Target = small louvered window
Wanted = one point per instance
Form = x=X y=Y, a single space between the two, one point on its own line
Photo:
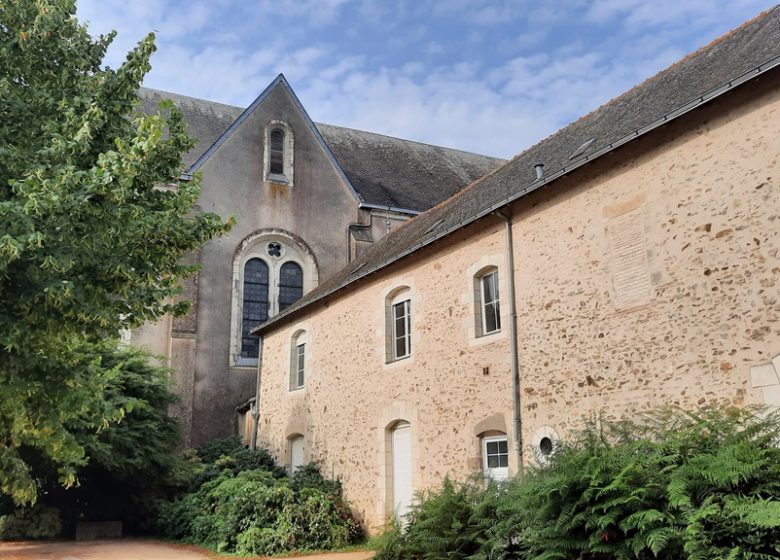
x=277 y=152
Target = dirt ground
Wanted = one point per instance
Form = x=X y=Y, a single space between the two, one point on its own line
x=126 y=549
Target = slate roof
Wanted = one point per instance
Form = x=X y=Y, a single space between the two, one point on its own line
x=726 y=63
x=206 y=120
x=384 y=171
x=389 y=171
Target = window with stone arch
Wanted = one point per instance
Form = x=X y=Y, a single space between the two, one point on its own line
x=271 y=271
x=279 y=153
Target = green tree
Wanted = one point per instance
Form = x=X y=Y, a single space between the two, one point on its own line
x=89 y=242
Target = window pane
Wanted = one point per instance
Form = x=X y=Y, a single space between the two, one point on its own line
x=491 y=319
x=489 y=288
x=492 y=447
x=492 y=461
x=255 y=305
x=503 y=460
x=277 y=152
x=290 y=284
x=502 y=447
x=401 y=336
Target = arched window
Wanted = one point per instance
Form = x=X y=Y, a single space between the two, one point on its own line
x=279 y=153
x=290 y=284
x=271 y=271
x=255 y=310
x=276 y=165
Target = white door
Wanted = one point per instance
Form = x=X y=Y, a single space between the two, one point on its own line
x=296 y=453
x=402 y=470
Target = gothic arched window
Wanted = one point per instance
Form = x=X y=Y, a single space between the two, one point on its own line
x=290 y=284
x=276 y=166
x=255 y=309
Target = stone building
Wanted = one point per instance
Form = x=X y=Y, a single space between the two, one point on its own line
x=628 y=261
x=307 y=199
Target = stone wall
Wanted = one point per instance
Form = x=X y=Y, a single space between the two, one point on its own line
x=647 y=278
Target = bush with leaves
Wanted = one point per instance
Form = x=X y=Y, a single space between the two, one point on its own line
x=675 y=485
x=260 y=510
x=37 y=522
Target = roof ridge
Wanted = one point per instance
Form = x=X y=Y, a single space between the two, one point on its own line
x=163 y=92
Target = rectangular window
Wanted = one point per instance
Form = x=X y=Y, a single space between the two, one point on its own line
x=491 y=312
x=495 y=458
x=300 y=366
x=401 y=332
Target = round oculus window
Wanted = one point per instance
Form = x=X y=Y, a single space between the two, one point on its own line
x=546 y=446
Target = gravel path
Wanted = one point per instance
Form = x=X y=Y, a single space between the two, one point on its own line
x=130 y=550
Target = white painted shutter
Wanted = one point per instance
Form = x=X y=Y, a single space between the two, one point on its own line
x=296 y=453
x=402 y=471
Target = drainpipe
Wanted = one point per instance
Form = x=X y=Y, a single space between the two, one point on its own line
x=256 y=407
x=516 y=420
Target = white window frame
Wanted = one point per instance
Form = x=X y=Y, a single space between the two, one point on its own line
x=406 y=305
x=490 y=275
x=495 y=473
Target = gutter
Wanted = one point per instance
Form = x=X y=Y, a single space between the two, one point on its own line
x=548 y=178
x=395 y=209
x=517 y=432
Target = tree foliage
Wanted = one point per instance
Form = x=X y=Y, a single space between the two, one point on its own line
x=89 y=244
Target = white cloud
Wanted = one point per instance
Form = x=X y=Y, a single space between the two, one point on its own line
x=497 y=94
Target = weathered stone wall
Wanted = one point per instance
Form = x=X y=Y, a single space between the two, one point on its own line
x=648 y=278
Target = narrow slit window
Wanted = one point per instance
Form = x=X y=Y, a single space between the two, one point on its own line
x=300 y=366
x=277 y=152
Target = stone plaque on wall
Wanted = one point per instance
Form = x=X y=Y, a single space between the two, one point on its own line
x=628 y=263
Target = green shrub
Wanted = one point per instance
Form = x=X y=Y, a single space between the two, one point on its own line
x=309 y=476
x=259 y=512
x=442 y=523
x=212 y=451
x=676 y=485
x=37 y=522
x=391 y=545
